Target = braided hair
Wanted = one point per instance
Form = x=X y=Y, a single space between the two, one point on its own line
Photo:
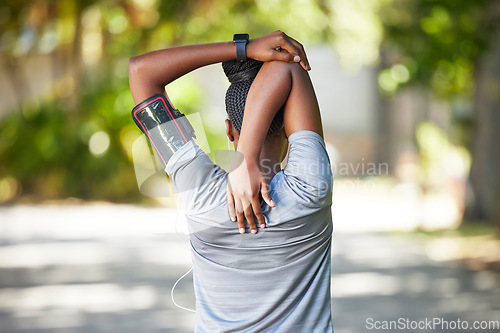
x=241 y=75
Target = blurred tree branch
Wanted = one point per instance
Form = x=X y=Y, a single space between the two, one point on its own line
x=452 y=48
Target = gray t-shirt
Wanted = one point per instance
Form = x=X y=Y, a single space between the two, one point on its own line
x=277 y=280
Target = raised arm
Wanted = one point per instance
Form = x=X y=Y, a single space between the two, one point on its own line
x=149 y=73
x=277 y=84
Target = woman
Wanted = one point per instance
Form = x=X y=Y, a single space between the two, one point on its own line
x=275 y=278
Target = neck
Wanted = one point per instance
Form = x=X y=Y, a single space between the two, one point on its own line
x=271 y=156
x=269 y=166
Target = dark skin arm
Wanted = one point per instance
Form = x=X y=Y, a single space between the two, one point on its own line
x=149 y=73
x=276 y=84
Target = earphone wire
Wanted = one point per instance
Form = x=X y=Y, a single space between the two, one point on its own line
x=229 y=148
x=189 y=271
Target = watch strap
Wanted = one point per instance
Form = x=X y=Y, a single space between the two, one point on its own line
x=241 y=40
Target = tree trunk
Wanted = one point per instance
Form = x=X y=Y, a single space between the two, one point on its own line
x=484 y=175
x=75 y=61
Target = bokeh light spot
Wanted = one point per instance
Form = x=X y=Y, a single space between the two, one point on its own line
x=9 y=187
x=400 y=73
x=48 y=42
x=118 y=24
x=386 y=81
x=99 y=143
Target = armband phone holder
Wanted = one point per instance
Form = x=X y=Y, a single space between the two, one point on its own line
x=166 y=128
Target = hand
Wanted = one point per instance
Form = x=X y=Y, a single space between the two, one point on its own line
x=243 y=188
x=277 y=46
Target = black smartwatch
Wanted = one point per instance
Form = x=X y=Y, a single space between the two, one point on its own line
x=241 y=40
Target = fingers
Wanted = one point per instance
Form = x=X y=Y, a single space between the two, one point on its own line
x=230 y=206
x=250 y=218
x=280 y=55
x=304 y=62
x=244 y=186
x=240 y=217
x=277 y=46
x=295 y=49
x=246 y=210
x=257 y=210
x=266 y=194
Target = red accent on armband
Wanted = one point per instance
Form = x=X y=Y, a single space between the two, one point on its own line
x=162 y=98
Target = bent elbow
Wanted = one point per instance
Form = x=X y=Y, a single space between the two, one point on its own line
x=133 y=66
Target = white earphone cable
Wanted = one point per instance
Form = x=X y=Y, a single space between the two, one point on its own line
x=229 y=148
x=189 y=271
x=173 y=288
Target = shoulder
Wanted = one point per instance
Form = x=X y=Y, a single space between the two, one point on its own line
x=308 y=173
x=200 y=183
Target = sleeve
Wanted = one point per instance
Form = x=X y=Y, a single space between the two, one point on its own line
x=200 y=183
x=308 y=170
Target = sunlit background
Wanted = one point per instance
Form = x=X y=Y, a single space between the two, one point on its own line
x=409 y=92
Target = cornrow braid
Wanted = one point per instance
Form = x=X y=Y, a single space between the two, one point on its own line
x=241 y=76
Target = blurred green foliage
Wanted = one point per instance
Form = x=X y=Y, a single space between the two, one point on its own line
x=435 y=44
x=439 y=156
x=46 y=148
x=75 y=138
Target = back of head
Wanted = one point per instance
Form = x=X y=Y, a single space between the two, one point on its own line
x=241 y=74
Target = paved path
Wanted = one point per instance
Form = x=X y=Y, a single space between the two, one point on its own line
x=109 y=268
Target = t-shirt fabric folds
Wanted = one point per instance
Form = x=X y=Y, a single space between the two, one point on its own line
x=277 y=280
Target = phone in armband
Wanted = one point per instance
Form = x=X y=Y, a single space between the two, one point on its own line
x=166 y=128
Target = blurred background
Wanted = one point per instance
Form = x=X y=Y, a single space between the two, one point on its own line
x=409 y=92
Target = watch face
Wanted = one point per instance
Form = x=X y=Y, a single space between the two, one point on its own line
x=240 y=37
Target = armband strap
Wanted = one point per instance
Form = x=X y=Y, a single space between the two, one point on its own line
x=166 y=128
